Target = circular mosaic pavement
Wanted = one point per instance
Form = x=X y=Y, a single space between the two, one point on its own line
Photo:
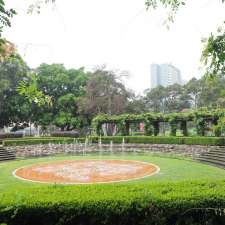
x=86 y=171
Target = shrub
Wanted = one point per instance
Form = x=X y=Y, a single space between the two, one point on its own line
x=162 y=140
x=73 y=134
x=119 y=139
x=36 y=141
x=183 y=203
x=10 y=135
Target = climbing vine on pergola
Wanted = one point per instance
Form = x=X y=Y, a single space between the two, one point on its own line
x=152 y=121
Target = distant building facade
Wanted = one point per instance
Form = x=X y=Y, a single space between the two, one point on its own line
x=164 y=75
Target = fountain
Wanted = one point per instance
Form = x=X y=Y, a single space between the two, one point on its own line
x=50 y=148
x=75 y=144
x=83 y=150
x=100 y=145
x=71 y=148
x=123 y=145
x=85 y=145
x=111 y=147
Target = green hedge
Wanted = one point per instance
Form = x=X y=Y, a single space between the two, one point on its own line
x=118 y=139
x=10 y=135
x=36 y=141
x=163 y=140
x=71 y=134
x=184 y=203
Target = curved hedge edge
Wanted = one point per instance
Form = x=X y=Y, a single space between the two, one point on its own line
x=172 y=203
x=217 y=141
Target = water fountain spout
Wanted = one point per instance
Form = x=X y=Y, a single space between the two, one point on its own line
x=111 y=147
x=123 y=145
x=100 y=145
x=85 y=145
x=100 y=141
x=50 y=147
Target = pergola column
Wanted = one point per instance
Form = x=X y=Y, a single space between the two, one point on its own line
x=183 y=127
x=156 y=128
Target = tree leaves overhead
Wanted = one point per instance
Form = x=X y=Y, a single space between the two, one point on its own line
x=213 y=55
x=6 y=48
x=12 y=105
x=174 y=5
x=29 y=89
x=37 y=5
x=5 y=15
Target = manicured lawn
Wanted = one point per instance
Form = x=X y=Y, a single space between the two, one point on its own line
x=171 y=169
x=164 y=198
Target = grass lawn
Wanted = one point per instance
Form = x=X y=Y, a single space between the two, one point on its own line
x=180 y=185
x=171 y=169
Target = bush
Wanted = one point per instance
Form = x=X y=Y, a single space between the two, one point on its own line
x=72 y=134
x=10 y=135
x=220 y=141
x=36 y=141
x=183 y=203
x=162 y=140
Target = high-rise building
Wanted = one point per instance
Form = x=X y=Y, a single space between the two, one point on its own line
x=164 y=75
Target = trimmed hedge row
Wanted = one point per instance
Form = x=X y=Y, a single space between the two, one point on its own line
x=72 y=134
x=220 y=141
x=163 y=140
x=183 y=203
x=36 y=141
x=10 y=135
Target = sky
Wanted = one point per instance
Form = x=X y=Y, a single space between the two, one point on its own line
x=120 y=34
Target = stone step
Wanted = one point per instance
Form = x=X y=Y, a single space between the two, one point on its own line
x=7 y=159
x=6 y=151
x=217 y=158
x=213 y=162
x=213 y=154
x=6 y=155
x=217 y=152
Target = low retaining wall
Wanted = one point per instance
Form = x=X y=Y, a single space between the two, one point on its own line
x=52 y=149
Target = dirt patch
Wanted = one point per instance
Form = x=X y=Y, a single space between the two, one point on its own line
x=86 y=171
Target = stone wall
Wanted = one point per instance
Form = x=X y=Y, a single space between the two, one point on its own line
x=52 y=149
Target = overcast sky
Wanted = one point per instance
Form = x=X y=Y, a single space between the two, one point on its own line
x=119 y=33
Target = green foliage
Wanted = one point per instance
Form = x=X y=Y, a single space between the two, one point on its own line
x=184 y=193
x=219 y=128
x=220 y=141
x=37 y=5
x=152 y=120
x=65 y=88
x=13 y=107
x=104 y=93
x=183 y=127
x=10 y=135
x=174 y=4
x=7 y=49
x=213 y=55
x=30 y=91
x=72 y=134
x=178 y=98
x=67 y=121
x=5 y=16
x=36 y=141
x=174 y=203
